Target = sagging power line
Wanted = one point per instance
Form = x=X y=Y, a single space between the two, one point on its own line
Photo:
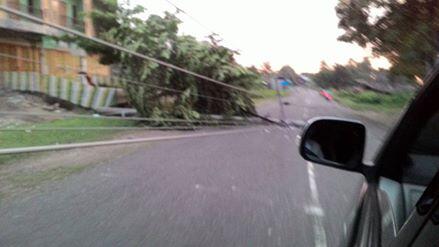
x=121 y=142
x=180 y=10
x=121 y=79
x=29 y=60
x=120 y=48
x=86 y=128
x=143 y=84
x=19 y=58
x=171 y=120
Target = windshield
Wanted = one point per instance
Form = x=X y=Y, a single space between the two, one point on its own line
x=177 y=123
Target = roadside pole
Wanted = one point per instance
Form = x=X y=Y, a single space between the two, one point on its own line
x=281 y=105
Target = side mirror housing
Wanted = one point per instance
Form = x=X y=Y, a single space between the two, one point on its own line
x=334 y=142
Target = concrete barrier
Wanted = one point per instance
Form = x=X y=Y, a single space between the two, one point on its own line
x=72 y=90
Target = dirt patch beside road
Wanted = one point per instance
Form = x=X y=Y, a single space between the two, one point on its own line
x=12 y=101
x=31 y=172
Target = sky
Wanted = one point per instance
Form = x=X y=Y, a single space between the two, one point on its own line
x=299 y=33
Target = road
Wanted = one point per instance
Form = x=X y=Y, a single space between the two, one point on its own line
x=305 y=103
x=243 y=189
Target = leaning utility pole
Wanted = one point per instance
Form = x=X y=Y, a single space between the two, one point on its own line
x=281 y=105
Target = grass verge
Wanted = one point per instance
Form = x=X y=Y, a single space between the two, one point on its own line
x=36 y=138
x=10 y=139
x=372 y=101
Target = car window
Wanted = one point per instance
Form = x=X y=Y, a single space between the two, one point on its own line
x=419 y=166
x=422 y=163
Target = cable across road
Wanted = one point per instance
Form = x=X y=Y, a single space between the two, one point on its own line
x=57 y=147
x=191 y=17
x=19 y=58
x=120 y=48
x=70 y=115
x=134 y=82
x=141 y=84
x=86 y=128
x=29 y=60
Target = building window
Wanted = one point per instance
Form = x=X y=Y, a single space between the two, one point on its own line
x=30 y=6
x=74 y=14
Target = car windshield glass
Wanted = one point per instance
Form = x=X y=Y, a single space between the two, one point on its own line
x=178 y=123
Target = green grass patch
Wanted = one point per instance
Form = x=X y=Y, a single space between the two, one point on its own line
x=266 y=93
x=35 y=138
x=12 y=139
x=29 y=180
x=368 y=100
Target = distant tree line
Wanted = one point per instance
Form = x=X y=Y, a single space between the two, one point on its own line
x=340 y=76
x=405 y=32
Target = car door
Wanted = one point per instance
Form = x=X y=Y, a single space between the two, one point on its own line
x=408 y=174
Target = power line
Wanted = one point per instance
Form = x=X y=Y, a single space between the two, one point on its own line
x=138 y=83
x=111 y=128
x=120 y=48
x=29 y=60
x=119 y=142
x=172 y=120
x=19 y=58
x=85 y=128
x=141 y=84
x=192 y=17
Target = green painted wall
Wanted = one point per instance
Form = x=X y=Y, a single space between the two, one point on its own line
x=69 y=7
x=49 y=43
x=25 y=3
x=37 y=4
x=70 y=3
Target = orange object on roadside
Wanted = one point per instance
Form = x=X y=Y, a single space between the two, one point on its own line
x=326 y=95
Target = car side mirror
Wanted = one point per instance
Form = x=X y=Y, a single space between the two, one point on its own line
x=334 y=142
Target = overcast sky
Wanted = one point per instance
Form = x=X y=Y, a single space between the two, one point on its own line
x=299 y=33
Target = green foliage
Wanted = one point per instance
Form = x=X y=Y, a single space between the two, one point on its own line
x=157 y=37
x=406 y=32
x=368 y=100
x=341 y=76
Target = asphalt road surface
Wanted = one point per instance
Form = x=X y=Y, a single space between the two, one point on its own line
x=305 y=103
x=242 y=189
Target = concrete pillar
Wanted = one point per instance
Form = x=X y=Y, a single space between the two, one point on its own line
x=83 y=63
x=83 y=68
x=44 y=70
x=88 y=23
x=47 y=10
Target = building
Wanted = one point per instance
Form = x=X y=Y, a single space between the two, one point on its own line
x=31 y=57
x=28 y=46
